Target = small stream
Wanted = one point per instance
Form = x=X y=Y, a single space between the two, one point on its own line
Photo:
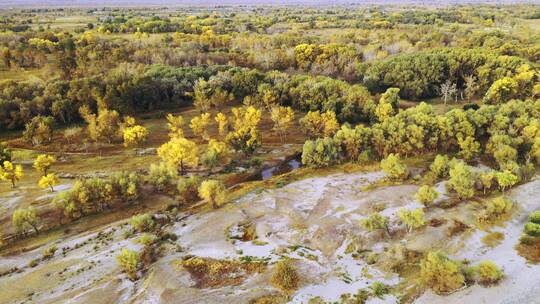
x=284 y=167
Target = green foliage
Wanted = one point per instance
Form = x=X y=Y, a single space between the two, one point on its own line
x=321 y=152
x=285 y=276
x=379 y=289
x=39 y=130
x=461 y=180
x=86 y=196
x=188 y=189
x=534 y=217
x=532 y=229
x=25 y=219
x=426 y=195
x=129 y=260
x=506 y=179
x=126 y=186
x=142 y=222
x=489 y=273
x=440 y=273
x=414 y=219
x=374 y=222
x=440 y=165
x=394 y=168
x=213 y=191
x=162 y=175
x=5 y=152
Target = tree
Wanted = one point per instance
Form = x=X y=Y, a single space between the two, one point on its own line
x=285 y=276
x=506 y=179
x=179 y=152
x=412 y=218
x=103 y=126
x=134 y=135
x=25 y=219
x=246 y=139
x=70 y=134
x=321 y=152
x=43 y=163
x=199 y=125
x=213 y=191
x=469 y=147
x=39 y=130
x=486 y=179
x=426 y=195
x=316 y=124
x=129 y=260
x=471 y=86
x=216 y=152
x=440 y=273
x=447 y=90
x=223 y=123
x=188 y=189
x=283 y=118
x=11 y=173
x=376 y=221
x=175 y=125
x=394 y=168
x=48 y=181
x=461 y=180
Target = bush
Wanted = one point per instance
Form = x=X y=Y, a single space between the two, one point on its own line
x=534 y=217
x=379 y=289
x=142 y=222
x=285 y=276
x=162 y=176
x=532 y=229
x=126 y=186
x=375 y=222
x=426 y=195
x=213 y=191
x=394 y=168
x=321 y=152
x=489 y=273
x=440 y=273
x=49 y=252
x=496 y=208
x=188 y=189
x=129 y=261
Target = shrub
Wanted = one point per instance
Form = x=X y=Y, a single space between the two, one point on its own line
x=532 y=229
x=379 y=289
x=489 y=273
x=534 y=217
x=213 y=191
x=126 y=185
x=412 y=218
x=142 y=222
x=440 y=166
x=25 y=219
x=321 y=152
x=440 y=273
x=162 y=175
x=375 y=222
x=49 y=252
x=188 y=189
x=394 y=168
x=285 y=276
x=129 y=261
x=426 y=195
x=496 y=208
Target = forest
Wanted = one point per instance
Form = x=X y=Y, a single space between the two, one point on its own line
x=270 y=154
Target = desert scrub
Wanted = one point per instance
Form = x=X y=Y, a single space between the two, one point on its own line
x=188 y=189
x=496 y=209
x=208 y=272
x=394 y=168
x=426 y=195
x=413 y=219
x=142 y=222
x=49 y=252
x=162 y=176
x=375 y=222
x=285 y=276
x=379 y=289
x=440 y=273
x=214 y=192
x=129 y=261
x=488 y=273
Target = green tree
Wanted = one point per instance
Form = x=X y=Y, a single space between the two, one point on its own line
x=321 y=152
x=25 y=219
x=376 y=221
x=414 y=219
x=506 y=179
x=461 y=180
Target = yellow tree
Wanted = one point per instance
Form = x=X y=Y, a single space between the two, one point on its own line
x=223 y=123
x=10 y=172
x=213 y=191
x=48 y=181
x=179 y=152
x=175 y=125
x=199 y=125
x=316 y=124
x=216 y=152
x=134 y=135
x=283 y=118
x=43 y=163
